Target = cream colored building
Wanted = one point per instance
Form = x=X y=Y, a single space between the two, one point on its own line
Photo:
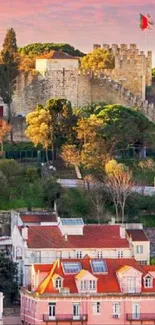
x=56 y=61
x=140 y=245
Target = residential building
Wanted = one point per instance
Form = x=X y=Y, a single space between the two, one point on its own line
x=89 y=291
x=71 y=238
x=6 y=245
x=1 y=308
x=140 y=245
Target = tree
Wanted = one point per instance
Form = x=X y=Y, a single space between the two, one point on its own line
x=97 y=197
x=98 y=60
x=8 y=69
x=38 y=126
x=41 y=48
x=119 y=184
x=51 y=191
x=70 y=155
x=124 y=127
x=5 y=128
x=51 y=125
x=8 y=278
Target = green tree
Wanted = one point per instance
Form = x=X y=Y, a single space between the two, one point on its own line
x=98 y=60
x=41 y=48
x=124 y=127
x=13 y=174
x=51 y=125
x=8 y=278
x=51 y=191
x=8 y=69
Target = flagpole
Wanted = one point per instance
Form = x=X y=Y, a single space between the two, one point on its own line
x=146 y=40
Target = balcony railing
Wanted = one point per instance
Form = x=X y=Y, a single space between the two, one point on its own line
x=65 y=318
x=145 y=317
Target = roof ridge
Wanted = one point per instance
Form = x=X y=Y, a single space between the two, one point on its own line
x=48 y=277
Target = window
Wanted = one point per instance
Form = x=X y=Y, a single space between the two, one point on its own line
x=131 y=285
x=72 y=267
x=52 y=308
x=1 y=111
x=148 y=282
x=120 y=254
x=96 y=308
x=99 y=254
x=116 y=310
x=136 y=310
x=58 y=283
x=88 y=285
x=143 y=262
x=76 y=310
x=139 y=249
x=99 y=266
x=79 y=254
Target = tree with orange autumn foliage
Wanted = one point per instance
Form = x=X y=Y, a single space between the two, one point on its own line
x=5 y=128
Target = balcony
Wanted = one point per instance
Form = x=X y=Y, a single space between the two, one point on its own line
x=140 y=317
x=65 y=318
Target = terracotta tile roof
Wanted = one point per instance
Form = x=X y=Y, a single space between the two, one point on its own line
x=106 y=283
x=137 y=234
x=58 y=55
x=94 y=236
x=30 y=218
x=124 y=269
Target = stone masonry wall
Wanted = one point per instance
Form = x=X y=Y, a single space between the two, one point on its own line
x=33 y=89
x=132 y=67
x=123 y=85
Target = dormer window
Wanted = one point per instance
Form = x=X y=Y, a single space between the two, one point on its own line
x=58 y=283
x=148 y=282
x=87 y=285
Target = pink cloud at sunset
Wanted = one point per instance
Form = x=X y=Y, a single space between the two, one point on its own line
x=78 y=22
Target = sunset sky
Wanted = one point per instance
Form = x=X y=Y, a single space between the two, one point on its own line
x=78 y=22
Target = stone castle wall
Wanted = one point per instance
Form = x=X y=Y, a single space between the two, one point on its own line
x=132 y=67
x=123 y=85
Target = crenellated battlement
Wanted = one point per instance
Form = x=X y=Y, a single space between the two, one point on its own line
x=132 y=67
x=113 y=92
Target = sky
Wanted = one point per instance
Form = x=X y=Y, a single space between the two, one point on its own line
x=80 y=23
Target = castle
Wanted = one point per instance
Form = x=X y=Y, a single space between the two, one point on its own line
x=59 y=76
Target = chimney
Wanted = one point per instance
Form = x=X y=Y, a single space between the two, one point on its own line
x=122 y=231
x=66 y=237
x=25 y=232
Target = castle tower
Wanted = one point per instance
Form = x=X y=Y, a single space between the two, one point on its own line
x=132 y=68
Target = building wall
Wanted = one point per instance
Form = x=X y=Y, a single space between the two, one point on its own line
x=48 y=256
x=44 y=65
x=145 y=256
x=1 y=308
x=33 y=313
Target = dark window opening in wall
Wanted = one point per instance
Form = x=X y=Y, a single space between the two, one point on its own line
x=1 y=111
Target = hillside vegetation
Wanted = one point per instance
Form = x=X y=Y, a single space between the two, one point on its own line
x=40 y=48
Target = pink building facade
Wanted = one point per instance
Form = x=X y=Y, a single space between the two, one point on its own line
x=90 y=292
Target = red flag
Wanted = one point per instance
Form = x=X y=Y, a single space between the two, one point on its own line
x=143 y=22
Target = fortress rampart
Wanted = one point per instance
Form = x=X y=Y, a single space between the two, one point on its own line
x=125 y=85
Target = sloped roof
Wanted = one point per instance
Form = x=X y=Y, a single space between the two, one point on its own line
x=94 y=236
x=137 y=234
x=58 y=55
x=106 y=282
x=33 y=218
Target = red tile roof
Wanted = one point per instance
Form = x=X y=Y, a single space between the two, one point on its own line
x=137 y=234
x=106 y=282
x=94 y=236
x=33 y=218
x=58 y=55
